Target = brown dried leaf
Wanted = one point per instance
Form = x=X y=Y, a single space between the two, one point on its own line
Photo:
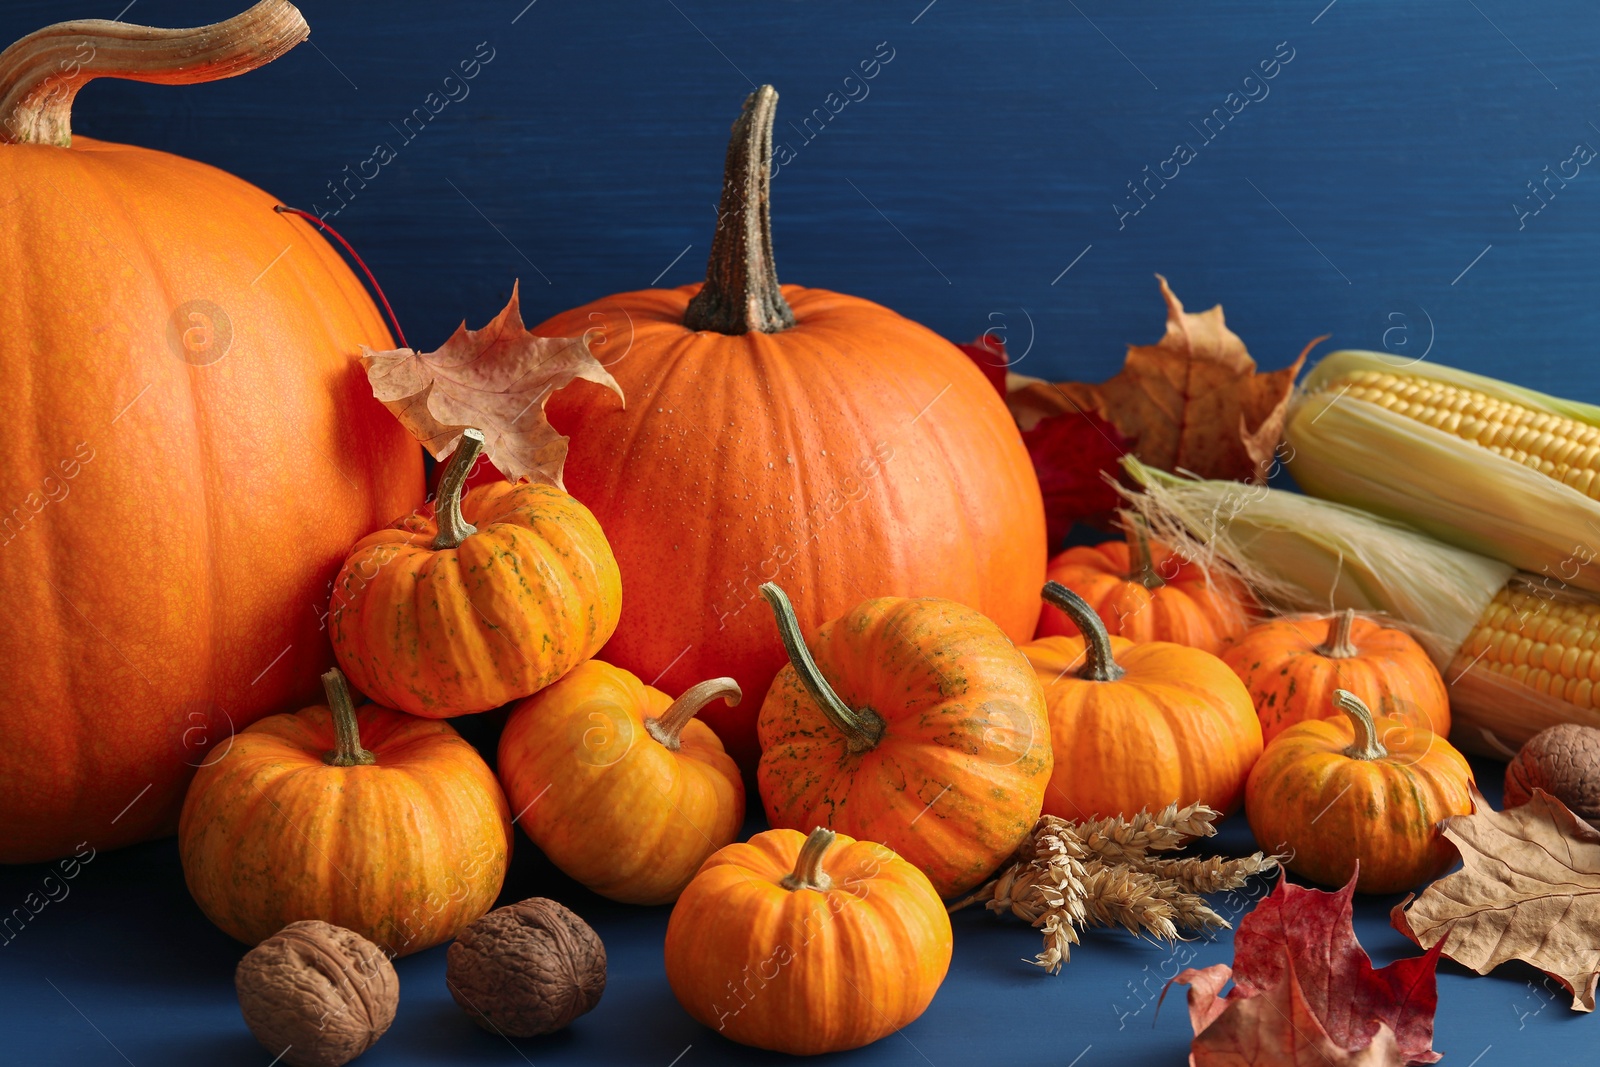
x=1529 y=889
x=1193 y=401
x=497 y=380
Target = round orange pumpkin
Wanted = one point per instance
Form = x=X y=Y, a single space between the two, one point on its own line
x=619 y=784
x=1145 y=594
x=807 y=944
x=1292 y=667
x=474 y=600
x=180 y=367
x=912 y=722
x=1138 y=726
x=385 y=824
x=1335 y=792
x=793 y=435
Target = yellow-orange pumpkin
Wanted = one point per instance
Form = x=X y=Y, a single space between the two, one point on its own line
x=1332 y=792
x=1292 y=667
x=793 y=435
x=912 y=722
x=1148 y=594
x=491 y=597
x=195 y=446
x=385 y=824
x=1139 y=726
x=807 y=944
x=619 y=784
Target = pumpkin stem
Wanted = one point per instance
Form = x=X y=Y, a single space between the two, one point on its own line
x=1366 y=745
x=671 y=722
x=42 y=73
x=347 y=751
x=861 y=728
x=453 y=528
x=808 y=872
x=1337 y=645
x=1099 y=666
x=1141 y=568
x=741 y=293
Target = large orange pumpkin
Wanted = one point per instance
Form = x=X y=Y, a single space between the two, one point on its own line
x=370 y=819
x=793 y=435
x=1139 y=726
x=196 y=444
x=807 y=943
x=1145 y=594
x=1293 y=666
x=911 y=722
x=474 y=601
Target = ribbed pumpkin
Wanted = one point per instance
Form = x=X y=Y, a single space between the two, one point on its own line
x=1292 y=667
x=912 y=722
x=385 y=824
x=793 y=435
x=1148 y=594
x=807 y=944
x=194 y=443
x=477 y=599
x=1139 y=726
x=1336 y=791
x=619 y=784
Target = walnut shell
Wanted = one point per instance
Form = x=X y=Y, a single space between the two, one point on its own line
x=323 y=992
x=1564 y=761
x=527 y=969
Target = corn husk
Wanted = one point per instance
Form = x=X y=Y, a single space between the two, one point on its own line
x=1357 y=452
x=1301 y=554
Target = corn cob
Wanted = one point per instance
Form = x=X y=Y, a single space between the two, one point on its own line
x=1504 y=471
x=1519 y=652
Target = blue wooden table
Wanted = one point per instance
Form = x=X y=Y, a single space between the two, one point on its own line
x=1383 y=173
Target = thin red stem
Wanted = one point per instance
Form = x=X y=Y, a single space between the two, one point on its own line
x=399 y=334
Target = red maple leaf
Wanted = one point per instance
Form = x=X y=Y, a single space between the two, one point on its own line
x=1298 y=950
x=989 y=353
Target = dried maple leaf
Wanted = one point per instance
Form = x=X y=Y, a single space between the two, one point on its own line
x=1296 y=953
x=989 y=353
x=1193 y=401
x=1279 y=1027
x=497 y=380
x=1528 y=889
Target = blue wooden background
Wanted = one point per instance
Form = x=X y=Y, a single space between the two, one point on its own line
x=1410 y=178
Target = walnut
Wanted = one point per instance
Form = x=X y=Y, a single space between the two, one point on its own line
x=317 y=994
x=1564 y=761
x=527 y=969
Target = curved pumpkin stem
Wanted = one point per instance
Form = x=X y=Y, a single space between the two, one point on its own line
x=41 y=74
x=741 y=293
x=808 y=872
x=666 y=727
x=347 y=750
x=861 y=728
x=1366 y=745
x=1141 y=567
x=453 y=528
x=1099 y=666
x=1337 y=645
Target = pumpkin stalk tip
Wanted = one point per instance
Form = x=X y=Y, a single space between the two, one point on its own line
x=347 y=750
x=1366 y=746
x=40 y=75
x=1141 y=564
x=453 y=527
x=667 y=727
x=862 y=728
x=1337 y=645
x=741 y=293
x=808 y=872
x=1099 y=665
